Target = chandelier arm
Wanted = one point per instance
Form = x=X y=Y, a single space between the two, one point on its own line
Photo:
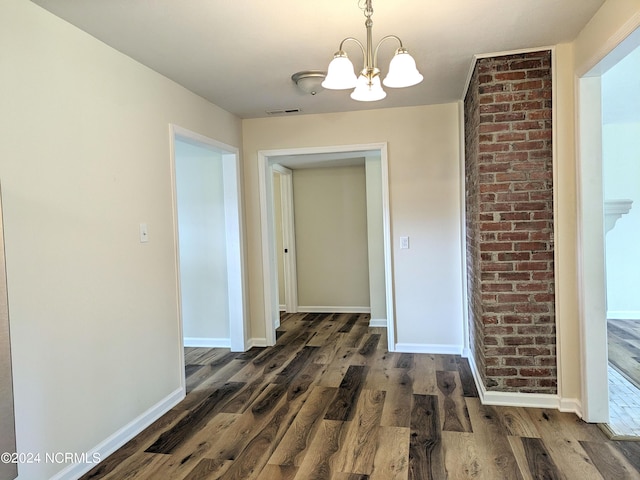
x=375 y=55
x=353 y=40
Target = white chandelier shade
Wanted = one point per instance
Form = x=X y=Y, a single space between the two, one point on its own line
x=402 y=71
x=340 y=75
x=368 y=91
x=402 y=68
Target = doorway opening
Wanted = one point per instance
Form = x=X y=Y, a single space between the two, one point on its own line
x=375 y=160
x=207 y=228
x=609 y=201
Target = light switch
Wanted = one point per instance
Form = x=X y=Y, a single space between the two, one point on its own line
x=404 y=242
x=144 y=233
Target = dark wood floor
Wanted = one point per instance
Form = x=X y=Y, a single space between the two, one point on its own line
x=329 y=402
x=624 y=348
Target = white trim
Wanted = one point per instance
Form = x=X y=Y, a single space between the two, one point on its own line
x=623 y=315
x=174 y=204
x=122 y=436
x=325 y=309
x=590 y=222
x=234 y=241
x=558 y=310
x=463 y=230
x=430 y=349
x=266 y=159
x=597 y=64
x=207 y=342
x=478 y=56
x=388 y=263
x=236 y=278
x=378 y=323
x=256 y=342
x=288 y=239
x=591 y=252
x=269 y=262
x=570 y=405
x=518 y=399
x=282 y=307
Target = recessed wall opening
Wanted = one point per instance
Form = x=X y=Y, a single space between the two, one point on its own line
x=369 y=164
x=209 y=238
x=609 y=195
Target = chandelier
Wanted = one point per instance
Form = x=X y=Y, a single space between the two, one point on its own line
x=402 y=68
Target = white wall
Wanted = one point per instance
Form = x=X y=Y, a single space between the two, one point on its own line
x=621 y=175
x=84 y=159
x=330 y=212
x=424 y=176
x=203 y=249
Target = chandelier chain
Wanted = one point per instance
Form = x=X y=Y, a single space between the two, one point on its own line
x=366 y=7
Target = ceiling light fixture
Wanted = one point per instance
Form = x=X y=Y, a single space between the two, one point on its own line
x=309 y=81
x=367 y=88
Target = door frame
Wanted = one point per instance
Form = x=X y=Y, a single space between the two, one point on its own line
x=592 y=309
x=236 y=276
x=289 y=239
x=266 y=161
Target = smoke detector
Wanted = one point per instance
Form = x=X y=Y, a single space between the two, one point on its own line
x=309 y=81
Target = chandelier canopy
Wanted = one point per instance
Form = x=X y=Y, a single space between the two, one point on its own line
x=367 y=87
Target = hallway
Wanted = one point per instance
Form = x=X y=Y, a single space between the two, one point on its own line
x=328 y=401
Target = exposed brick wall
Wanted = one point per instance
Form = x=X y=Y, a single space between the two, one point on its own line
x=509 y=211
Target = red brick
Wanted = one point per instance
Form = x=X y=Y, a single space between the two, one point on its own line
x=518 y=382
x=536 y=372
x=528 y=85
x=494 y=147
x=516 y=319
x=498 y=287
x=534 y=145
x=502 y=372
x=530 y=246
x=526 y=65
x=513 y=298
x=493 y=127
x=509 y=117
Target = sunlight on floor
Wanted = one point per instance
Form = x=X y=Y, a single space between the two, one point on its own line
x=624 y=406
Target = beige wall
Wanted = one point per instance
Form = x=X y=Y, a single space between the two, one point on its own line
x=330 y=212
x=424 y=177
x=572 y=61
x=84 y=158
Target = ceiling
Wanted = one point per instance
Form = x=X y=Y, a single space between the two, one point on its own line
x=240 y=54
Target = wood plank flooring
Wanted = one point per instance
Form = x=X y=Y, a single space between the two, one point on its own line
x=328 y=401
x=624 y=348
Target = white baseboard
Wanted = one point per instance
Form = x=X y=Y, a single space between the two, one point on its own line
x=378 y=322
x=572 y=405
x=256 y=342
x=207 y=342
x=282 y=308
x=307 y=309
x=623 y=315
x=426 y=348
x=517 y=399
x=122 y=436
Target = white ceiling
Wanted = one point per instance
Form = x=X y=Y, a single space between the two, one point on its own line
x=240 y=54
